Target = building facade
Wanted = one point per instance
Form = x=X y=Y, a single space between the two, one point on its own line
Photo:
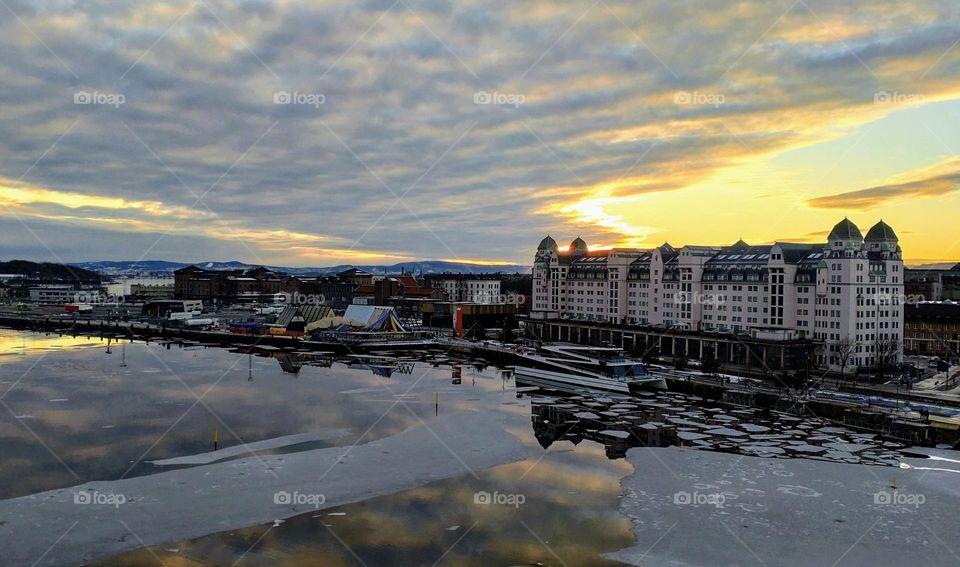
x=62 y=294
x=192 y=282
x=468 y=288
x=933 y=284
x=151 y=291
x=933 y=329
x=846 y=294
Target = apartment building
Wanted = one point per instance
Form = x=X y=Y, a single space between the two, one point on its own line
x=847 y=293
x=470 y=288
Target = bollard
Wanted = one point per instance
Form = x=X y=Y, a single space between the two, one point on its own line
x=216 y=439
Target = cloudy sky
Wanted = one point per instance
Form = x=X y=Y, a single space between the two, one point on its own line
x=374 y=131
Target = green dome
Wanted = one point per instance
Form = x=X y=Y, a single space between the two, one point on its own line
x=845 y=230
x=548 y=244
x=881 y=232
x=579 y=247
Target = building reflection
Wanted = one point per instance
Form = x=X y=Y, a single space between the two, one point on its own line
x=616 y=423
x=292 y=362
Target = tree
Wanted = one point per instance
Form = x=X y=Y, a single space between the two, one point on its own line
x=507 y=333
x=886 y=351
x=844 y=349
x=710 y=365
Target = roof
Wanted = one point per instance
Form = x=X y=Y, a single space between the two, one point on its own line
x=596 y=255
x=463 y=277
x=881 y=232
x=353 y=272
x=588 y=263
x=845 y=230
x=407 y=280
x=739 y=244
x=310 y=313
x=667 y=251
x=741 y=254
x=548 y=244
x=797 y=253
x=579 y=246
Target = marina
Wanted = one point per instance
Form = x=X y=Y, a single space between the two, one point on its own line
x=905 y=416
x=266 y=407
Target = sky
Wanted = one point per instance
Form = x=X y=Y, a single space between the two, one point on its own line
x=377 y=131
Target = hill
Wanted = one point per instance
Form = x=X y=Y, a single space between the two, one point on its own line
x=165 y=268
x=49 y=272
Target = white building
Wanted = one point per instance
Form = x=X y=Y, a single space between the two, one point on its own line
x=469 y=288
x=846 y=294
x=59 y=295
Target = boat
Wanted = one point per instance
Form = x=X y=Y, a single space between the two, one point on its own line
x=584 y=367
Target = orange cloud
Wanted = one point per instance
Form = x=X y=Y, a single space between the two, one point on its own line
x=938 y=180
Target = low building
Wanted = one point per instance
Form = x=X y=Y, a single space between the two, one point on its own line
x=442 y=314
x=146 y=292
x=192 y=282
x=394 y=290
x=933 y=329
x=327 y=290
x=933 y=284
x=758 y=352
x=63 y=294
x=357 y=276
x=166 y=308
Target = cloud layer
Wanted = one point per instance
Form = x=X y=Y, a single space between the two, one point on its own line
x=318 y=132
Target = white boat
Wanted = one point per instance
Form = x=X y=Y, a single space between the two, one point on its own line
x=584 y=367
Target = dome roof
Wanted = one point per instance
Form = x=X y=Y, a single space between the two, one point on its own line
x=579 y=246
x=845 y=230
x=881 y=232
x=547 y=244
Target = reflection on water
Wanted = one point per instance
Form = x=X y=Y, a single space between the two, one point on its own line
x=29 y=344
x=291 y=363
x=80 y=415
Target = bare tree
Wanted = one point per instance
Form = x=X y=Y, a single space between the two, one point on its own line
x=844 y=349
x=886 y=351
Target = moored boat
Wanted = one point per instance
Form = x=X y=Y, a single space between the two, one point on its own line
x=579 y=367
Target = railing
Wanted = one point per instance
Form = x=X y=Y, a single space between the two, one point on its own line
x=375 y=337
x=948 y=384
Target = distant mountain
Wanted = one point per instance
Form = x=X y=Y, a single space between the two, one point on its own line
x=47 y=272
x=164 y=268
x=936 y=266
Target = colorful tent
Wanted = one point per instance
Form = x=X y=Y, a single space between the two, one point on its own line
x=373 y=318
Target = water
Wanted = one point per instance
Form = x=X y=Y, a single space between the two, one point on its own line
x=82 y=409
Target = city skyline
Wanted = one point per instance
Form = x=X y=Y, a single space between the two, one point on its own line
x=425 y=130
